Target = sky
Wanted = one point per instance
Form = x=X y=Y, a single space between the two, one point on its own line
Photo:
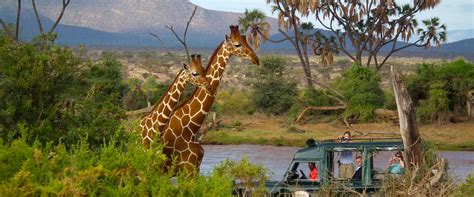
x=456 y=14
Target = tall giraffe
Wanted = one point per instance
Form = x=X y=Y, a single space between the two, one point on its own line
x=156 y=119
x=179 y=134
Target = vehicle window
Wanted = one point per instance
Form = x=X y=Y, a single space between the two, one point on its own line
x=344 y=164
x=381 y=162
x=305 y=171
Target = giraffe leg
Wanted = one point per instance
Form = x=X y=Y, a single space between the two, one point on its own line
x=198 y=151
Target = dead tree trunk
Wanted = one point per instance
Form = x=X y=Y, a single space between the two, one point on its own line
x=408 y=127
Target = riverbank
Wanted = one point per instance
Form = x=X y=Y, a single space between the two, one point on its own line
x=266 y=130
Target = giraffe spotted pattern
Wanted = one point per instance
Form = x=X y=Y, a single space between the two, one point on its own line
x=179 y=134
x=154 y=122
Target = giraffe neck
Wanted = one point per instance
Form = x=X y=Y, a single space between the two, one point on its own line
x=188 y=118
x=216 y=67
x=155 y=121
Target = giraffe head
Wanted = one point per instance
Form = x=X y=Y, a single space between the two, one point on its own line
x=195 y=73
x=237 y=45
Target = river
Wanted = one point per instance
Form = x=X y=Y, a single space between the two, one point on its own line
x=277 y=158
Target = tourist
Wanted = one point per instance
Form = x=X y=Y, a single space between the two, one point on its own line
x=346 y=168
x=396 y=165
x=313 y=171
x=358 y=170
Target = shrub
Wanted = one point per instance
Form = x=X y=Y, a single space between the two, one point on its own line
x=466 y=188
x=117 y=169
x=273 y=93
x=36 y=82
x=46 y=89
x=246 y=174
x=98 y=113
x=233 y=102
x=441 y=89
x=360 y=87
x=140 y=94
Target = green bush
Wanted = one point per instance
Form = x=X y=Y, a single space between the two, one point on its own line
x=98 y=113
x=439 y=90
x=466 y=188
x=246 y=174
x=56 y=96
x=35 y=84
x=233 y=102
x=117 y=169
x=140 y=93
x=360 y=87
x=273 y=92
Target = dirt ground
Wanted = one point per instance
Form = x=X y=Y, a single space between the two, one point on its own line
x=271 y=130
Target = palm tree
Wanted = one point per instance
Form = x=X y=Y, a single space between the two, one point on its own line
x=254 y=22
x=434 y=33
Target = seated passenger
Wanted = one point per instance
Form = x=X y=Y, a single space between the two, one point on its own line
x=396 y=164
x=358 y=171
x=313 y=174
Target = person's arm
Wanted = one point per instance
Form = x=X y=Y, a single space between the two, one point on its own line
x=402 y=164
x=389 y=164
x=316 y=178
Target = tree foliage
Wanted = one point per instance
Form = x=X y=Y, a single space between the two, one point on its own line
x=439 y=90
x=360 y=86
x=371 y=27
x=273 y=92
x=35 y=82
x=117 y=169
x=57 y=96
x=254 y=20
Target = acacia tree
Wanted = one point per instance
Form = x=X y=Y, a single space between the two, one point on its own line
x=303 y=38
x=372 y=27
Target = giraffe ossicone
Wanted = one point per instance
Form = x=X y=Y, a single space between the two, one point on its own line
x=153 y=123
x=179 y=135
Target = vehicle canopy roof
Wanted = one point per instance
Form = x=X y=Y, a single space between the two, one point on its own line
x=316 y=151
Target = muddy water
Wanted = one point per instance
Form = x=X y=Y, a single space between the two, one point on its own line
x=277 y=159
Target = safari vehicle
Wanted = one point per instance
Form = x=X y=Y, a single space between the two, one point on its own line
x=325 y=155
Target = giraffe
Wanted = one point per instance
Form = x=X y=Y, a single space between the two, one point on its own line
x=179 y=134
x=156 y=119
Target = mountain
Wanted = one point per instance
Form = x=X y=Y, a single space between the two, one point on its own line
x=132 y=20
x=457 y=35
x=126 y=23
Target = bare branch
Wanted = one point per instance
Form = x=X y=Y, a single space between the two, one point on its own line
x=6 y=29
x=65 y=4
x=163 y=44
x=319 y=108
x=139 y=111
x=340 y=41
x=187 y=26
x=33 y=2
x=183 y=41
x=17 y=31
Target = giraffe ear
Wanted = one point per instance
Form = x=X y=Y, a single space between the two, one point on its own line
x=185 y=66
x=227 y=38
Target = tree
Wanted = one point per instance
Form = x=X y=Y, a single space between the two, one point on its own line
x=372 y=27
x=408 y=128
x=441 y=91
x=254 y=20
x=360 y=86
x=302 y=36
x=273 y=93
